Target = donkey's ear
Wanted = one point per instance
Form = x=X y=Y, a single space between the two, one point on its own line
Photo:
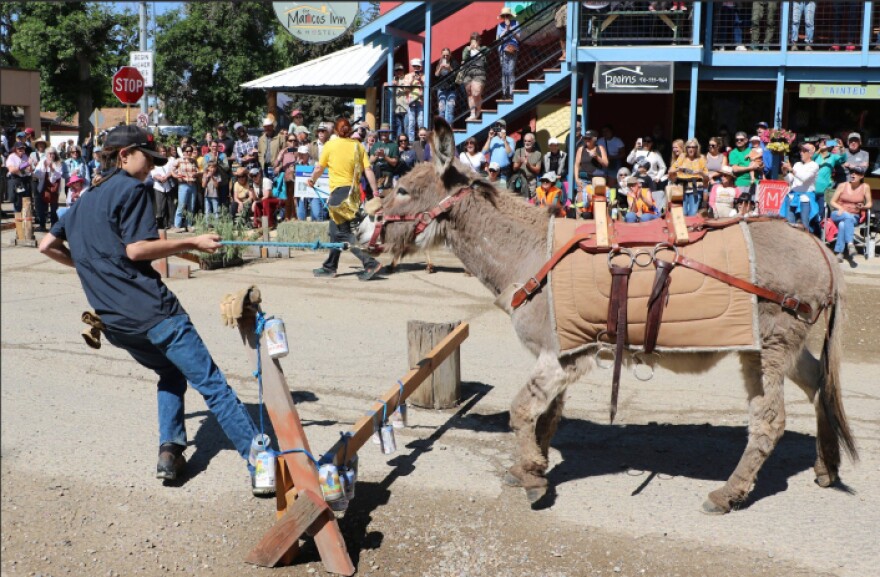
x=442 y=144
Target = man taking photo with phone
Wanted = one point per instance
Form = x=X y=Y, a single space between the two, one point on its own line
x=499 y=148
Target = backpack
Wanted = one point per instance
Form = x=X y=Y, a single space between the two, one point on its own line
x=279 y=188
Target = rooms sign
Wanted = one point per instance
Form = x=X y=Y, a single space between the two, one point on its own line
x=627 y=77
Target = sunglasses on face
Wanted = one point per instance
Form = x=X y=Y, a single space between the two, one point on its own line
x=713 y=145
x=291 y=140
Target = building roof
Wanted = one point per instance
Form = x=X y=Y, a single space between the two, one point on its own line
x=343 y=73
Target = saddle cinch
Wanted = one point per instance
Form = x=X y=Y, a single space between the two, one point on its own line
x=683 y=284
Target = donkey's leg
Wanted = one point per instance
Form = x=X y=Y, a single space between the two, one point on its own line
x=546 y=383
x=764 y=375
x=429 y=265
x=807 y=374
x=547 y=424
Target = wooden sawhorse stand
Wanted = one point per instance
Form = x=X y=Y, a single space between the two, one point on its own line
x=301 y=506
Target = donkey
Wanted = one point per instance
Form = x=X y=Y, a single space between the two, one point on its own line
x=503 y=241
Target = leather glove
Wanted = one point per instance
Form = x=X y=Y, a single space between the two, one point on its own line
x=233 y=305
x=92 y=335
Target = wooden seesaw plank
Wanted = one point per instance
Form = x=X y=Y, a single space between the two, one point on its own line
x=363 y=429
x=280 y=541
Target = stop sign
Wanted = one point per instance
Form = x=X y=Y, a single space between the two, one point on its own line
x=128 y=85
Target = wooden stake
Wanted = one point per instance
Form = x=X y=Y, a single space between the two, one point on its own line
x=442 y=389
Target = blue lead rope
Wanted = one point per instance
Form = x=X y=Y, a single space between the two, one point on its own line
x=312 y=245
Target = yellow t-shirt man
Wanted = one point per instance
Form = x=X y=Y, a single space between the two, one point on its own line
x=339 y=157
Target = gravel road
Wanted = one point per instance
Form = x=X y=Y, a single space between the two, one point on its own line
x=79 y=446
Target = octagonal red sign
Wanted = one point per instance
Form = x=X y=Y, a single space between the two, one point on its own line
x=128 y=85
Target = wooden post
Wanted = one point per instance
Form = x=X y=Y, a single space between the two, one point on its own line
x=442 y=389
x=264 y=251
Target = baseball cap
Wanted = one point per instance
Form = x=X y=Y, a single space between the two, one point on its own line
x=130 y=136
x=762 y=125
x=28 y=130
x=494 y=166
x=321 y=127
x=296 y=113
x=502 y=122
x=19 y=145
x=398 y=66
x=301 y=130
x=632 y=180
x=20 y=134
x=549 y=176
x=415 y=62
x=858 y=169
x=727 y=170
x=237 y=125
x=755 y=138
x=303 y=149
x=552 y=141
x=74 y=179
x=254 y=171
x=854 y=136
x=221 y=126
x=645 y=164
x=591 y=134
x=268 y=122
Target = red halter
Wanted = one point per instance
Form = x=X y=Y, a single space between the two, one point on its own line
x=422 y=219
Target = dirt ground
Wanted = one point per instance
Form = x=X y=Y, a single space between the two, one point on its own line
x=79 y=446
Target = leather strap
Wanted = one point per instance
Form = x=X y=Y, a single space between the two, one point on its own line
x=532 y=285
x=617 y=311
x=786 y=301
x=657 y=302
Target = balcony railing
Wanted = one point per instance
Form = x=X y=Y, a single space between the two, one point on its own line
x=635 y=23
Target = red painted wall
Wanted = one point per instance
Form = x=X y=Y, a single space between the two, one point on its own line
x=453 y=32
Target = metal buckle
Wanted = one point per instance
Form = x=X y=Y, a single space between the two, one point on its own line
x=620 y=250
x=531 y=292
x=603 y=347
x=642 y=253
x=663 y=246
x=794 y=308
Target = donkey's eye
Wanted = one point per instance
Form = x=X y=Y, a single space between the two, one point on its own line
x=401 y=191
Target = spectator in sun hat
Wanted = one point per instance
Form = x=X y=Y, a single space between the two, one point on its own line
x=548 y=195
x=296 y=119
x=495 y=175
x=111 y=238
x=414 y=81
x=384 y=156
x=317 y=146
x=267 y=147
x=556 y=160
x=508 y=49
x=302 y=135
x=855 y=156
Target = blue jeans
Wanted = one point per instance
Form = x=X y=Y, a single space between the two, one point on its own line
x=175 y=351
x=809 y=11
x=399 y=126
x=312 y=206
x=692 y=203
x=212 y=207
x=186 y=202
x=446 y=104
x=792 y=215
x=633 y=217
x=414 y=120
x=733 y=25
x=846 y=229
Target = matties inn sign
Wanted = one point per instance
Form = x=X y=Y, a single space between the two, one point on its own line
x=316 y=22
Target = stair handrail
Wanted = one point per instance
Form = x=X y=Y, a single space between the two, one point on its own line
x=536 y=23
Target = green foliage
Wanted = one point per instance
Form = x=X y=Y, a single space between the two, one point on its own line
x=303 y=231
x=204 y=52
x=227 y=228
x=76 y=46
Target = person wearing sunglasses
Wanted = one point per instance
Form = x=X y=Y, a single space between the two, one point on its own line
x=285 y=162
x=690 y=171
x=800 y=202
x=847 y=204
x=743 y=166
x=715 y=159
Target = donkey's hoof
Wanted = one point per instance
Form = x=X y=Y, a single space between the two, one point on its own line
x=535 y=494
x=511 y=480
x=430 y=269
x=710 y=508
x=825 y=480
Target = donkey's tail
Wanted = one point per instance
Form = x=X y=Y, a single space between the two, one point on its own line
x=829 y=385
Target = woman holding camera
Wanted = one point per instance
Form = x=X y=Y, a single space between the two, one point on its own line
x=590 y=160
x=473 y=75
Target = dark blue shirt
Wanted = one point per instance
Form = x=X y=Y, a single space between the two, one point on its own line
x=128 y=295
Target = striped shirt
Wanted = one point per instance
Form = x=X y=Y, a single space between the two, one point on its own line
x=243 y=148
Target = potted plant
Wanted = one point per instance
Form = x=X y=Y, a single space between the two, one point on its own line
x=780 y=143
x=228 y=229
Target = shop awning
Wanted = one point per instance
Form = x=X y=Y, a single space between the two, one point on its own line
x=343 y=73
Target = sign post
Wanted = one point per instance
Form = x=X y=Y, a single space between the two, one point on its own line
x=128 y=86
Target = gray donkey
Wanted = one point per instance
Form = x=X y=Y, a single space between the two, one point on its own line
x=503 y=241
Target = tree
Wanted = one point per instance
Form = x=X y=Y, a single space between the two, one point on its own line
x=204 y=52
x=76 y=46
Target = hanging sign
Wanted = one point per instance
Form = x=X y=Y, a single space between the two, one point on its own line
x=143 y=61
x=628 y=77
x=316 y=22
x=301 y=188
x=846 y=91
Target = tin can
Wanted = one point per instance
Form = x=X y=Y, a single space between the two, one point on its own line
x=398 y=417
x=264 y=474
x=388 y=443
x=348 y=476
x=328 y=475
x=260 y=444
x=276 y=338
x=339 y=505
